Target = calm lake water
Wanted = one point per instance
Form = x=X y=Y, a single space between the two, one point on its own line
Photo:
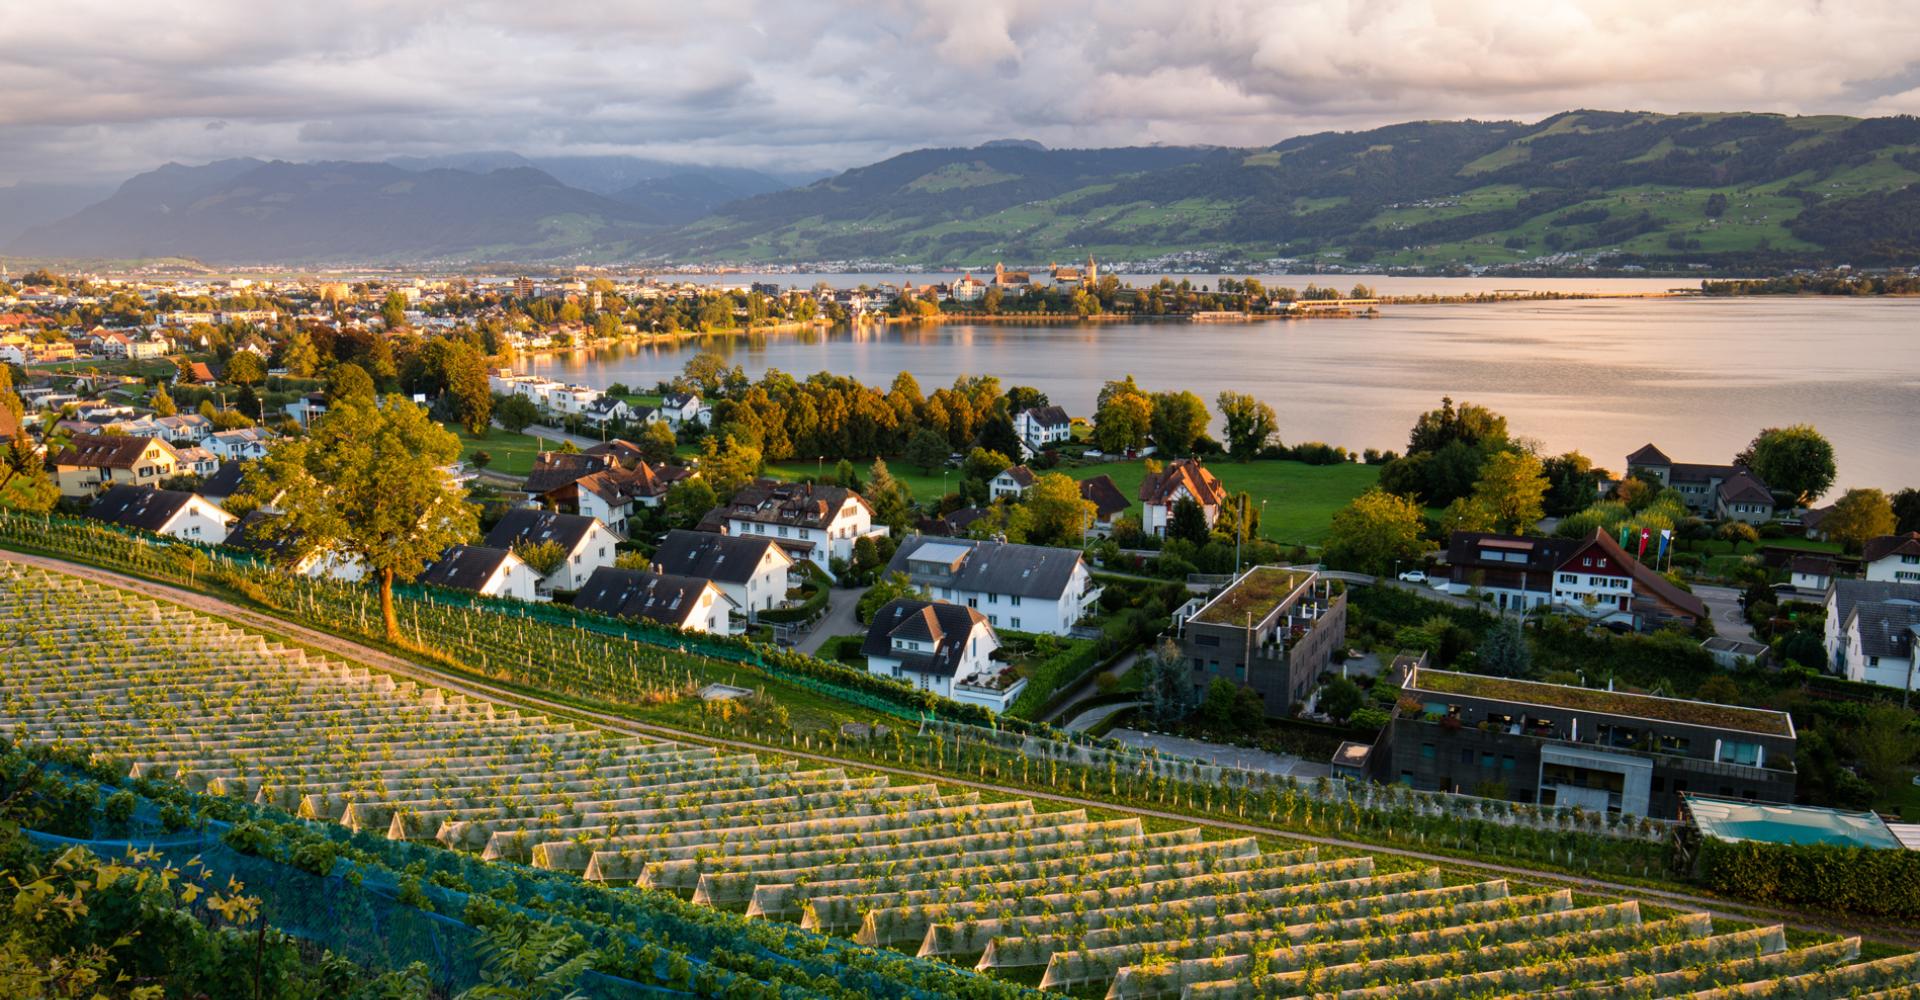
x=1698 y=377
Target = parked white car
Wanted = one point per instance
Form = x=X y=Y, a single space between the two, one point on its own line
x=1414 y=576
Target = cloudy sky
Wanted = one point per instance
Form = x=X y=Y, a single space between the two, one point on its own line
x=99 y=89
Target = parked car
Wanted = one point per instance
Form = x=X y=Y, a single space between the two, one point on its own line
x=1414 y=576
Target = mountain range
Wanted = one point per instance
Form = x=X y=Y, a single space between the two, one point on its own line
x=1694 y=191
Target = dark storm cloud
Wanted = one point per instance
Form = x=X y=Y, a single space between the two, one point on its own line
x=109 y=87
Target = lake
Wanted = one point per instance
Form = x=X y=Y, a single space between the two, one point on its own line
x=1696 y=376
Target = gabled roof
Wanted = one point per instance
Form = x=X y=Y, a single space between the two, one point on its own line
x=466 y=567
x=1744 y=487
x=1645 y=579
x=107 y=451
x=553 y=469
x=942 y=630
x=1105 y=496
x=1648 y=456
x=1695 y=472
x=1048 y=416
x=628 y=593
x=1022 y=476
x=1846 y=593
x=1164 y=487
x=1811 y=565
x=619 y=449
x=1886 y=627
x=710 y=556
x=139 y=506
x=678 y=400
x=1538 y=556
x=225 y=480
x=1877 y=549
x=522 y=526
x=989 y=567
x=805 y=505
x=247 y=536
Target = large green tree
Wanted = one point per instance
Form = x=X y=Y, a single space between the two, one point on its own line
x=1373 y=531
x=1796 y=461
x=1123 y=421
x=1859 y=516
x=1178 y=420
x=1250 y=424
x=1511 y=489
x=1057 y=513
x=369 y=482
x=927 y=450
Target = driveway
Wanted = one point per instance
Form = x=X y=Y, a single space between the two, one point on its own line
x=1723 y=603
x=1226 y=756
x=1091 y=688
x=839 y=620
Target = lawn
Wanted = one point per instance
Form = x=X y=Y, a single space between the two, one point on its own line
x=512 y=453
x=1300 y=499
x=925 y=488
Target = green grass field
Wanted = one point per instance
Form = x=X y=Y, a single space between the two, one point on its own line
x=1301 y=499
x=512 y=453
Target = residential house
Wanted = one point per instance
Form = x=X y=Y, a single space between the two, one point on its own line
x=1027 y=588
x=183 y=428
x=681 y=409
x=94 y=461
x=197 y=461
x=175 y=513
x=943 y=648
x=1011 y=482
x=1181 y=479
x=606 y=410
x=484 y=570
x=813 y=522
x=612 y=494
x=240 y=444
x=224 y=481
x=1893 y=557
x=1273 y=630
x=554 y=470
x=1108 y=502
x=1591 y=576
x=1813 y=574
x=291 y=551
x=586 y=543
x=1870 y=631
x=1607 y=752
x=752 y=571
x=1724 y=492
x=683 y=602
x=953 y=524
x=967 y=288
x=308 y=408
x=1040 y=428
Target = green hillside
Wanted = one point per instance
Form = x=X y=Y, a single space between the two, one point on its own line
x=1726 y=191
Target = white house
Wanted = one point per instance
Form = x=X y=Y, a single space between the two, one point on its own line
x=198 y=461
x=679 y=409
x=753 y=572
x=812 y=522
x=486 y=571
x=174 y=513
x=1871 y=629
x=586 y=542
x=1011 y=482
x=682 y=602
x=1811 y=573
x=1027 y=588
x=1894 y=558
x=606 y=410
x=292 y=553
x=943 y=648
x=967 y=288
x=238 y=445
x=1040 y=428
x=1182 y=479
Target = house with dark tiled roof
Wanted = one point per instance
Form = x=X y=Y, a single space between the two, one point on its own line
x=811 y=521
x=1107 y=499
x=1181 y=479
x=1592 y=576
x=1013 y=481
x=1810 y=573
x=1725 y=492
x=484 y=570
x=1040 y=428
x=943 y=648
x=1871 y=629
x=751 y=570
x=95 y=461
x=683 y=602
x=586 y=542
x=1027 y=588
x=291 y=552
x=1893 y=557
x=175 y=513
x=680 y=409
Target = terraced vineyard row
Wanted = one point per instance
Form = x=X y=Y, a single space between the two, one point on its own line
x=1073 y=902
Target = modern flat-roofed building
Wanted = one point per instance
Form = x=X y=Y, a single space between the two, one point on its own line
x=1605 y=751
x=1274 y=629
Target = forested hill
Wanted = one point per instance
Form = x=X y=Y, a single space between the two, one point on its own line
x=1727 y=191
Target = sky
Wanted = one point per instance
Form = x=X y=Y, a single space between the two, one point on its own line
x=96 y=90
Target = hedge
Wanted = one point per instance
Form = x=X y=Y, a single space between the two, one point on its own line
x=1047 y=679
x=1881 y=883
x=806 y=610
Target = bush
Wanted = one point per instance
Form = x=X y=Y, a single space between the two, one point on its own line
x=1881 y=883
x=1047 y=676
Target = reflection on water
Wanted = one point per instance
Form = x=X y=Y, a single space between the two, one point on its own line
x=1696 y=376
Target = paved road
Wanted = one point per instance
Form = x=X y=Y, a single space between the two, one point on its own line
x=615 y=723
x=1091 y=687
x=839 y=619
x=1092 y=717
x=556 y=435
x=1723 y=603
x=1366 y=580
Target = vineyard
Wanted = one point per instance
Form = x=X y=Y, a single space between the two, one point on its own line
x=1072 y=902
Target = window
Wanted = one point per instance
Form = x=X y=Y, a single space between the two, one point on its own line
x=1732 y=752
x=993 y=598
x=1014 y=600
x=1486 y=761
x=1213 y=666
x=973 y=602
x=993 y=620
x=1427 y=751
x=1507 y=763
x=1013 y=623
x=1206 y=640
x=1569 y=578
x=1466 y=755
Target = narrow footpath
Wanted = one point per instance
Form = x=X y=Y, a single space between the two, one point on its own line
x=369 y=656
